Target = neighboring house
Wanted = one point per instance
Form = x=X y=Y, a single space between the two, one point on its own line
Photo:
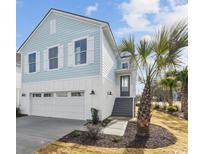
x=70 y=63
x=18 y=78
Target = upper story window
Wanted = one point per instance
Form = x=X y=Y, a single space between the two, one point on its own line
x=53 y=26
x=80 y=51
x=36 y=95
x=53 y=58
x=32 y=62
x=125 y=65
x=77 y=93
x=48 y=95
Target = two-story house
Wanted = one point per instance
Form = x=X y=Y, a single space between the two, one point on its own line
x=70 y=63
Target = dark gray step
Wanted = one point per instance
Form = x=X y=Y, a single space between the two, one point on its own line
x=123 y=107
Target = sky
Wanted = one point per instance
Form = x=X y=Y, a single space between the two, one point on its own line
x=139 y=17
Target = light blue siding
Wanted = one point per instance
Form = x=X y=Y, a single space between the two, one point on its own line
x=66 y=30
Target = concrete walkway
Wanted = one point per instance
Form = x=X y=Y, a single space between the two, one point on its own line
x=116 y=127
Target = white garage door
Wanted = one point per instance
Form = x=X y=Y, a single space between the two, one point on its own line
x=58 y=104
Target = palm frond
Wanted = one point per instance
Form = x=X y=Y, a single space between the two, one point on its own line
x=178 y=39
x=144 y=50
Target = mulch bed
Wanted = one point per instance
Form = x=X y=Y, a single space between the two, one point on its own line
x=159 y=137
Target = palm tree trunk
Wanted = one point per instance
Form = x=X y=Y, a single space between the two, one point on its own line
x=170 y=97
x=185 y=100
x=144 y=112
x=182 y=98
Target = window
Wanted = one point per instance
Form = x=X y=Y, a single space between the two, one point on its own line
x=80 y=51
x=53 y=58
x=124 y=65
x=125 y=80
x=62 y=94
x=77 y=94
x=32 y=62
x=48 y=95
x=53 y=26
x=36 y=95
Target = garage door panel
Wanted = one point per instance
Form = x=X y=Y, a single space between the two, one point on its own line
x=62 y=107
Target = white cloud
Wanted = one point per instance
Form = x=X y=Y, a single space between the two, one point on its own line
x=172 y=2
x=90 y=9
x=168 y=17
x=135 y=14
x=146 y=37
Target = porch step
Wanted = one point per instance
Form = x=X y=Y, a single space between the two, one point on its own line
x=123 y=107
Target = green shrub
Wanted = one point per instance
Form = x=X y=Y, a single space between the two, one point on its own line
x=156 y=106
x=177 y=107
x=116 y=139
x=95 y=117
x=93 y=130
x=106 y=122
x=18 y=112
x=164 y=107
x=137 y=104
x=172 y=109
x=75 y=133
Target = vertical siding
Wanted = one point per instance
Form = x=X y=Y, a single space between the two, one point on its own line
x=67 y=29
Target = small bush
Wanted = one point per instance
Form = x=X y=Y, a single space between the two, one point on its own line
x=75 y=133
x=156 y=106
x=117 y=139
x=95 y=117
x=106 y=122
x=137 y=104
x=164 y=107
x=18 y=111
x=93 y=130
x=172 y=109
x=177 y=107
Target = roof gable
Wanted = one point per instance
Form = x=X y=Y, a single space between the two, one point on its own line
x=76 y=17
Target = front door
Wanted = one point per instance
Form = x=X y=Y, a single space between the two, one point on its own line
x=125 y=85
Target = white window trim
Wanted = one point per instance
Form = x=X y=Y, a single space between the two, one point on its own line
x=57 y=45
x=28 y=61
x=127 y=65
x=73 y=42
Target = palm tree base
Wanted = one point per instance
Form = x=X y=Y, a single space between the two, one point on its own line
x=142 y=131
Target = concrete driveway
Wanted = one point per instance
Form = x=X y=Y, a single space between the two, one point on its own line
x=33 y=132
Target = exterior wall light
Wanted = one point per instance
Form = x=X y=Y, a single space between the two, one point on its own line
x=92 y=92
x=109 y=93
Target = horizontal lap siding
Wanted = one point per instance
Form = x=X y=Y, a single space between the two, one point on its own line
x=66 y=30
x=109 y=63
x=109 y=66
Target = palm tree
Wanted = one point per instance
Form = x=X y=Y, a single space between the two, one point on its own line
x=171 y=84
x=182 y=76
x=150 y=58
